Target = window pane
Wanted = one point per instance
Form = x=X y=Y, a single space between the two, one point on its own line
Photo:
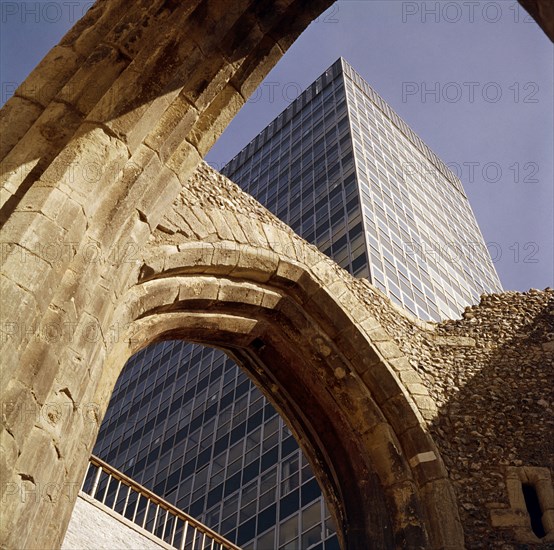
x=289 y=530
x=311 y=515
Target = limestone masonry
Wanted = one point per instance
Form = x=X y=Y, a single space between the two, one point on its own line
x=421 y=435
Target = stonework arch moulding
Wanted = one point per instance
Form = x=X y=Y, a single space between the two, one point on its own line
x=301 y=350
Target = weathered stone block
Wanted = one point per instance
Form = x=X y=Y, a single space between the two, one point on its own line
x=18 y=114
x=215 y=119
x=256 y=264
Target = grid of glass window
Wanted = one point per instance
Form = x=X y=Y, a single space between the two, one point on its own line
x=187 y=423
x=347 y=174
x=426 y=250
x=301 y=167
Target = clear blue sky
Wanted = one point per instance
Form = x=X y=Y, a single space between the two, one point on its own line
x=474 y=81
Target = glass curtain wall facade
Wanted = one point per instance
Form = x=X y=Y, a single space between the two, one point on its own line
x=187 y=423
x=347 y=174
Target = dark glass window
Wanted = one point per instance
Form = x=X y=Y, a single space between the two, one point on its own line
x=288 y=446
x=309 y=491
x=289 y=504
x=270 y=458
x=233 y=483
x=267 y=518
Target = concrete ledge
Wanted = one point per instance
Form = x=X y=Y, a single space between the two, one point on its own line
x=94 y=526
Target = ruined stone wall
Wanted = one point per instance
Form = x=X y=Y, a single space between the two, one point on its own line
x=98 y=146
x=495 y=398
x=483 y=383
x=490 y=378
x=490 y=406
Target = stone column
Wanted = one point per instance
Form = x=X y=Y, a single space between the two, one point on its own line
x=96 y=143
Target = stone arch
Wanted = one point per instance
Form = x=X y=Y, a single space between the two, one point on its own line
x=220 y=269
x=303 y=349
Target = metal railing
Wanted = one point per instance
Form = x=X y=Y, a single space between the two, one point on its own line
x=147 y=510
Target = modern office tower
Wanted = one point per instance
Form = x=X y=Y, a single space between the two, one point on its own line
x=347 y=174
